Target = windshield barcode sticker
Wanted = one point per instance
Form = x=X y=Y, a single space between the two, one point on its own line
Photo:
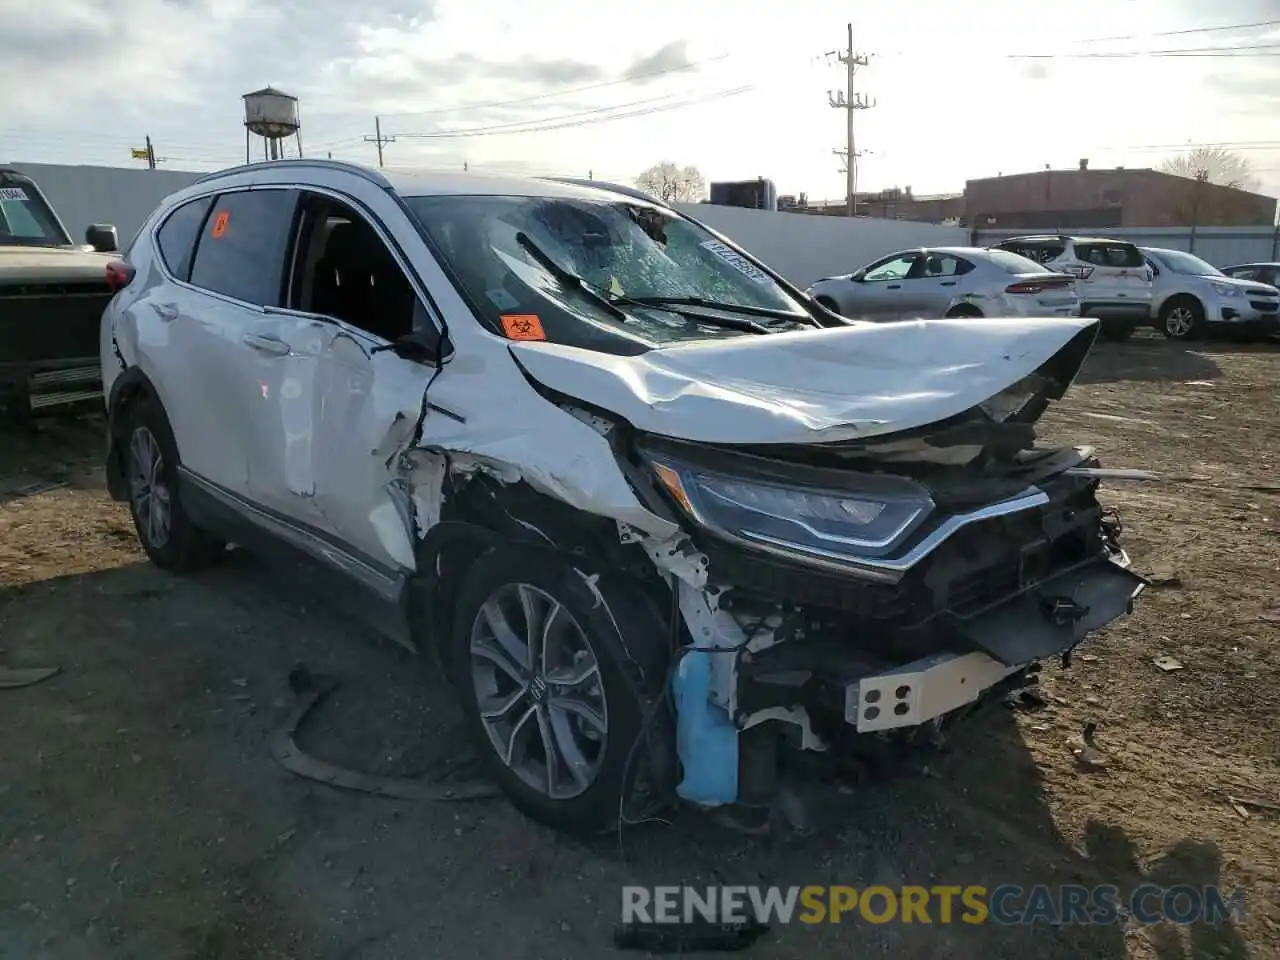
x=12 y=193
x=736 y=260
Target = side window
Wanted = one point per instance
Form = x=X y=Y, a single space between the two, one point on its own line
x=1243 y=273
x=937 y=265
x=343 y=269
x=242 y=246
x=1118 y=255
x=894 y=269
x=1265 y=275
x=176 y=238
x=1040 y=252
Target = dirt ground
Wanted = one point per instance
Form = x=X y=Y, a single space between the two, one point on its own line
x=141 y=814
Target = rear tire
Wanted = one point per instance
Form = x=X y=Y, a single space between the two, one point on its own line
x=1117 y=330
x=149 y=457
x=1182 y=318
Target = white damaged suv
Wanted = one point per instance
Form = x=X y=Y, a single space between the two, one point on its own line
x=654 y=511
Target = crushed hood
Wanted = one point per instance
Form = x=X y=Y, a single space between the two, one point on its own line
x=51 y=264
x=813 y=386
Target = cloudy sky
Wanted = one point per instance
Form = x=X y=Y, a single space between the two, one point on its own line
x=611 y=86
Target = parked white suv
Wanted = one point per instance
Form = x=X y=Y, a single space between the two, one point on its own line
x=598 y=462
x=1195 y=299
x=1113 y=278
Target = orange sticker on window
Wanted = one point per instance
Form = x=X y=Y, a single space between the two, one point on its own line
x=220 y=224
x=523 y=326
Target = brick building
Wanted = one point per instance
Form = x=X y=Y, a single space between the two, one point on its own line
x=1085 y=199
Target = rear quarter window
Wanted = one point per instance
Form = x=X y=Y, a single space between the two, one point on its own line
x=1122 y=255
x=1042 y=251
x=241 y=251
x=176 y=238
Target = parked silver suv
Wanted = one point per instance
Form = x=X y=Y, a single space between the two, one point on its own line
x=635 y=493
x=1113 y=279
x=1194 y=298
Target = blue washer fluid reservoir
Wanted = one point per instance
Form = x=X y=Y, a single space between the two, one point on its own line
x=705 y=736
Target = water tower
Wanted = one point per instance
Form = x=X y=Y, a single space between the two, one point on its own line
x=273 y=115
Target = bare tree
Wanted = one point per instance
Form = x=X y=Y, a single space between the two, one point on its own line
x=1218 y=167
x=1213 y=165
x=673 y=184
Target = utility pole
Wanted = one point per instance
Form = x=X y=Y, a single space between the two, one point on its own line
x=378 y=138
x=848 y=101
x=1201 y=178
x=151 y=154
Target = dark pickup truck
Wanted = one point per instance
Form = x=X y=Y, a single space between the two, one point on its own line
x=52 y=294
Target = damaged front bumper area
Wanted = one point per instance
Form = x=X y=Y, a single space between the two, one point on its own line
x=845 y=603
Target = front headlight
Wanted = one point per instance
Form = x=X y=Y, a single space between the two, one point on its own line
x=848 y=524
x=1226 y=290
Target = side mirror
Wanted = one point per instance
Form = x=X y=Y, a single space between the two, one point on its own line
x=102 y=237
x=419 y=347
x=858 y=275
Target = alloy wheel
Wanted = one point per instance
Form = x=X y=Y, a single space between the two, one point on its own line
x=1179 y=322
x=147 y=488
x=538 y=686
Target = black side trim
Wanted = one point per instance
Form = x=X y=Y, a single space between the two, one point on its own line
x=234 y=502
x=389 y=615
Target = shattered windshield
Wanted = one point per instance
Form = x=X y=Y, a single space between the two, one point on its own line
x=615 y=276
x=25 y=218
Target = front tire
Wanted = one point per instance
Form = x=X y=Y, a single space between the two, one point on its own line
x=540 y=672
x=1182 y=318
x=963 y=310
x=149 y=457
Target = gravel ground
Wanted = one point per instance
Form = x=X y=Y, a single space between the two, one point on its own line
x=141 y=814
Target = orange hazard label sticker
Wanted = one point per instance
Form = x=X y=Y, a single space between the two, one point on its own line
x=523 y=326
x=220 y=224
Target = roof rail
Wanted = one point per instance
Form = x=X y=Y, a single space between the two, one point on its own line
x=372 y=176
x=611 y=187
x=1036 y=236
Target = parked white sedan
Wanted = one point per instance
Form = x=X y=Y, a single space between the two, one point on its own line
x=949 y=282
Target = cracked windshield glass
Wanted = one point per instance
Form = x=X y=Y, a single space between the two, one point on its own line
x=586 y=268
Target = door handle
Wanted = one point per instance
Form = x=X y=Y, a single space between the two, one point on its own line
x=948 y=283
x=168 y=312
x=272 y=345
x=894 y=286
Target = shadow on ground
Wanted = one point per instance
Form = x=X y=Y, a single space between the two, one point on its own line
x=1147 y=359
x=141 y=814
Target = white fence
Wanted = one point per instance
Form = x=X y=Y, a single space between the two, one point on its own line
x=804 y=247
x=1221 y=246
x=799 y=246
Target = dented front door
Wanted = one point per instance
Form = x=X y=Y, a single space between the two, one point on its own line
x=373 y=498
x=281 y=353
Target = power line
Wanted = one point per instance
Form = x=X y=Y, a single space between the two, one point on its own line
x=1182 y=33
x=635 y=78
x=849 y=101
x=1218 y=51
x=552 y=123
x=1225 y=144
x=514 y=124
